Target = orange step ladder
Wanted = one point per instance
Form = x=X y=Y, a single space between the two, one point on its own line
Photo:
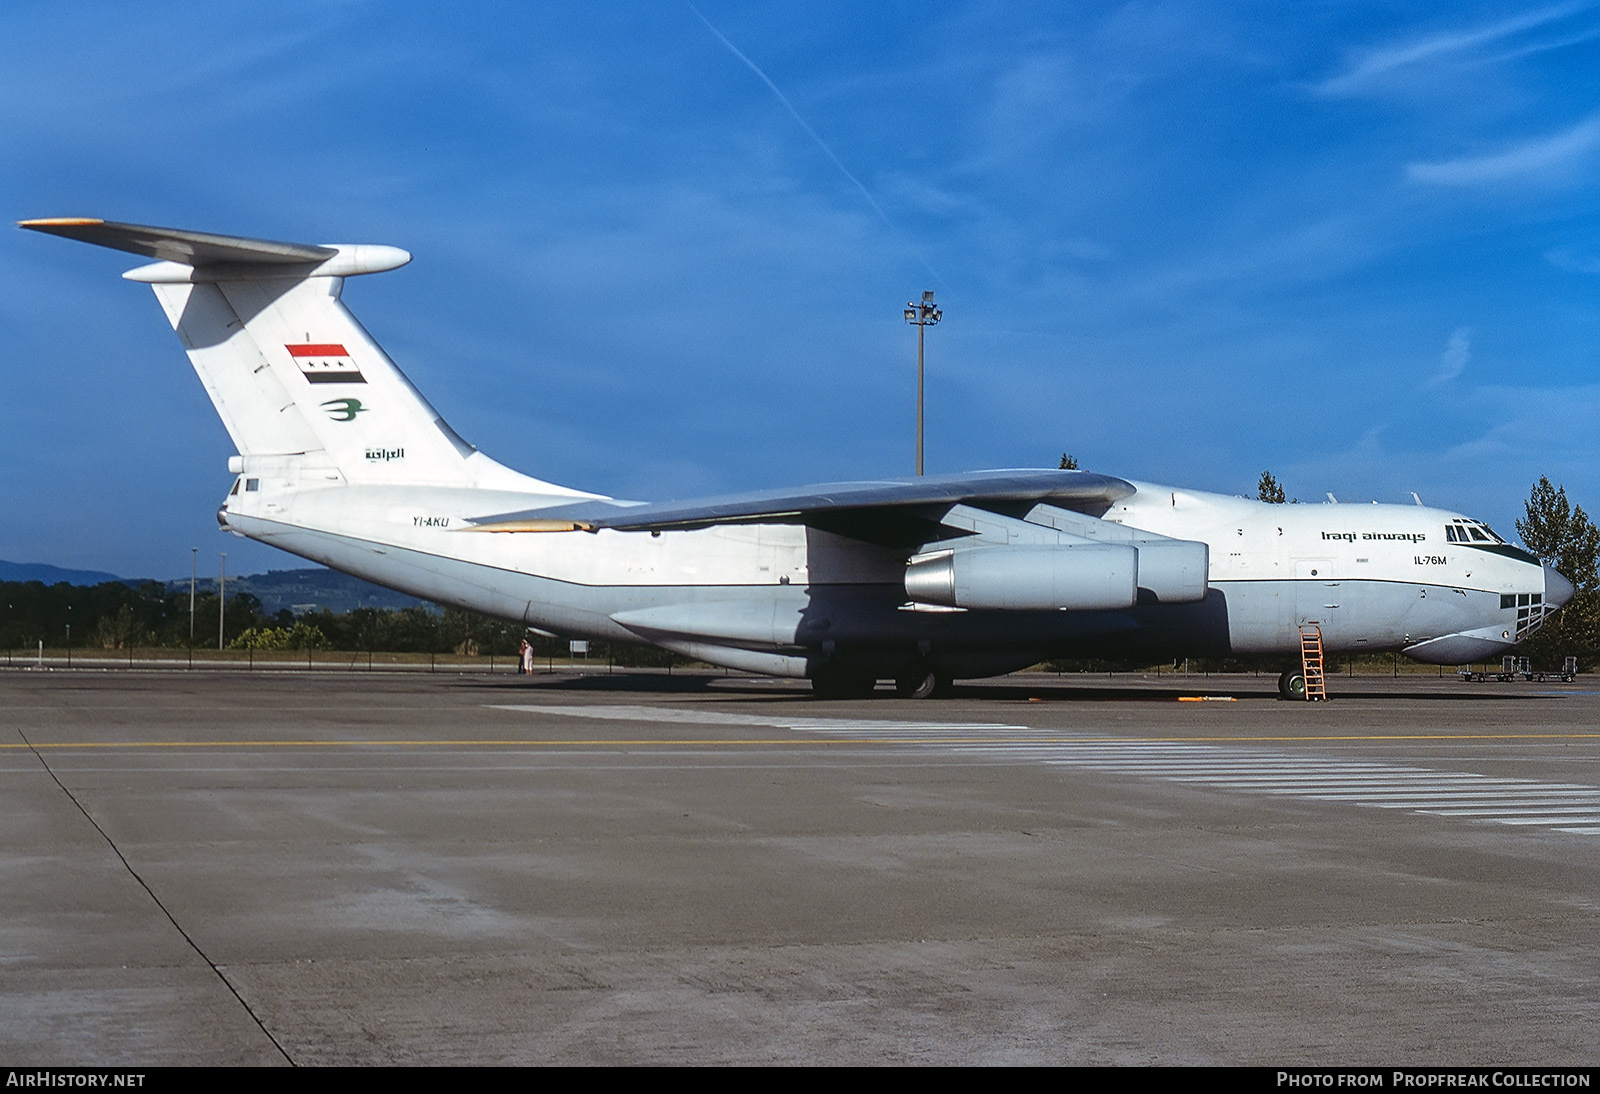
x=1311 y=663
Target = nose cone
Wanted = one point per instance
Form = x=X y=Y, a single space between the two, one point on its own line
x=1557 y=589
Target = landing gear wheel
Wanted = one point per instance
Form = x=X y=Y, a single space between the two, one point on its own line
x=922 y=684
x=829 y=682
x=1292 y=684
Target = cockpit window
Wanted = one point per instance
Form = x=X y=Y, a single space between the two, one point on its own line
x=1461 y=530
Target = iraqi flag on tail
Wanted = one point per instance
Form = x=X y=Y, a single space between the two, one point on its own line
x=325 y=363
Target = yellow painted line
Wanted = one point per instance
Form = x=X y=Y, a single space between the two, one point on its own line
x=411 y=743
x=1384 y=737
x=805 y=740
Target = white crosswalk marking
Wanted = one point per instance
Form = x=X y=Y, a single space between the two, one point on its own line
x=1456 y=795
x=696 y=716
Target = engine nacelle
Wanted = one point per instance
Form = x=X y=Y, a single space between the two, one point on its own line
x=1173 y=571
x=1076 y=576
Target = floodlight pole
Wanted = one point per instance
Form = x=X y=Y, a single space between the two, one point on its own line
x=193 y=562
x=921 y=314
x=222 y=597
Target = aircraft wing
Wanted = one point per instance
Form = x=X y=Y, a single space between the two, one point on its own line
x=867 y=510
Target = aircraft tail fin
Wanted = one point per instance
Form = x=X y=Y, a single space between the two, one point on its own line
x=295 y=378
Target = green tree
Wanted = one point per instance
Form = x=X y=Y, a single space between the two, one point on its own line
x=1269 y=490
x=1069 y=462
x=301 y=636
x=1563 y=536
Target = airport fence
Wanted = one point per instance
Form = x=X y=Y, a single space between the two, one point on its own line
x=135 y=658
x=608 y=660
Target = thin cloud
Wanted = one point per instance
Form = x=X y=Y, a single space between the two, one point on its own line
x=923 y=196
x=1564 y=258
x=1575 y=38
x=1375 y=65
x=1530 y=160
x=1457 y=352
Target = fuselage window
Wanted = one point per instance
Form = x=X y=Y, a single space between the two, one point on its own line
x=252 y=484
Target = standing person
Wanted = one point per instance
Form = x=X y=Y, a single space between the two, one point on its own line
x=525 y=653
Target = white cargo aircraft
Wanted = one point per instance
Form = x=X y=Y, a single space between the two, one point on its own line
x=923 y=581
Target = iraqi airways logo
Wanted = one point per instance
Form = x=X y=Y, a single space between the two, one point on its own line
x=325 y=363
x=343 y=410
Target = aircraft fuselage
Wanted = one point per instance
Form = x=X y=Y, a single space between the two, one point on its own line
x=778 y=597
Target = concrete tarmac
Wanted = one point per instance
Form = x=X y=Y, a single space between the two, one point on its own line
x=350 y=868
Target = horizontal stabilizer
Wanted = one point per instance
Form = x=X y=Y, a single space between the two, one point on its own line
x=178 y=245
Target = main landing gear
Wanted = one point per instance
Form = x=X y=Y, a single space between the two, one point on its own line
x=922 y=684
x=838 y=682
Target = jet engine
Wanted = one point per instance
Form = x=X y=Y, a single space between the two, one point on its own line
x=1077 y=576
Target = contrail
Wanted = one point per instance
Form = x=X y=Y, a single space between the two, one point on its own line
x=812 y=133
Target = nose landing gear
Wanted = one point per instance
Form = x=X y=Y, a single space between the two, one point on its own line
x=1292 y=684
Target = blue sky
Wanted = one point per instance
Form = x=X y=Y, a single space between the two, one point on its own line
x=662 y=250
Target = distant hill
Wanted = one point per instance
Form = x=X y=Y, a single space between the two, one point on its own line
x=53 y=575
x=307 y=590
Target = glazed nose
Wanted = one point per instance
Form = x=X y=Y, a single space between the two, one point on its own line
x=1557 y=589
